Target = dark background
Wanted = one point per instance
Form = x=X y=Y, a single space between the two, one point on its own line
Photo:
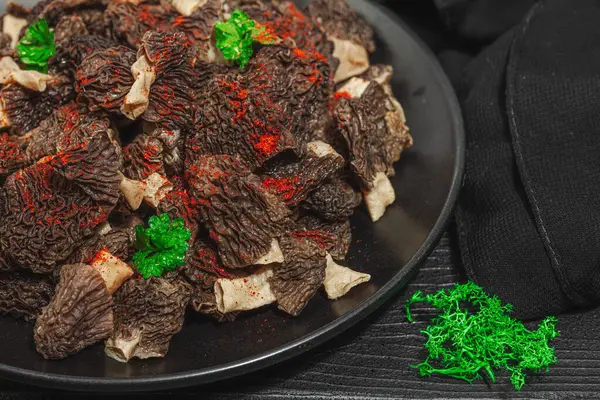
x=372 y=360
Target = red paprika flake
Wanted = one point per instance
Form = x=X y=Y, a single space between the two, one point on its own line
x=285 y=187
x=320 y=238
x=267 y=144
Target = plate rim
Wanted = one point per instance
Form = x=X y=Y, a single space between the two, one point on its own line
x=313 y=339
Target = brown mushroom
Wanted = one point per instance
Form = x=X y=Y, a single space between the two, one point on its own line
x=80 y=313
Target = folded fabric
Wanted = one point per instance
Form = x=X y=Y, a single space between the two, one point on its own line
x=528 y=217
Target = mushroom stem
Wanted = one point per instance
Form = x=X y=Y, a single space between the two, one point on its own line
x=244 y=294
x=274 y=255
x=380 y=196
x=133 y=192
x=114 y=272
x=157 y=187
x=339 y=279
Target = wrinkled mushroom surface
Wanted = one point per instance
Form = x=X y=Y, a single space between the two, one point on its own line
x=79 y=315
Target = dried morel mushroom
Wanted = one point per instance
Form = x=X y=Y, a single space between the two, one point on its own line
x=68 y=27
x=72 y=52
x=46 y=210
x=243 y=219
x=286 y=21
x=171 y=99
x=23 y=295
x=201 y=271
x=333 y=201
x=148 y=313
x=368 y=121
x=143 y=157
x=79 y=315
x=103 y=78
x=12 y=155
x=299 y=277
x=235 y=120
x=335 y=237
x=128 y=21
x=339 y=20
x=54 y=10
x=292 y=182
x=179 y=203
x=67 y=128
x=23 y=109
x=296 y=84
x=196 y=19
x=118 y=241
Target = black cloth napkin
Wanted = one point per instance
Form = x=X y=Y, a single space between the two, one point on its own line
x=528 y=217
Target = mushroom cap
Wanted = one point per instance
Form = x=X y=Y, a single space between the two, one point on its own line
x=79 y=315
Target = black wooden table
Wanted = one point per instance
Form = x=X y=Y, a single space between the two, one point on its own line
x=372 y=360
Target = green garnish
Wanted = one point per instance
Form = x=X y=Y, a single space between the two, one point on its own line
x=160 y=247
x=236 y=36
x=37 y=46
x=467 y=342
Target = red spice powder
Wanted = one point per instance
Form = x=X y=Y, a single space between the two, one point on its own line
x=145 y=15
x=295 y=12
x=284 y=187
x=266 y=34
x=101 y=256
x=342 y=95
x=267 y=144
x=320 y=238
x=9 y=149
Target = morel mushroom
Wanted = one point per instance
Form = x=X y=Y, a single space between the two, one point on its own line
x=80 y=313
x=68 y=128
x=333 y=201
x=48 y=208
x=295 y=84
x=23 y=109
x=148 y=313
x=128 y=21
x=68 y=27
x=201 y=271
x=339 y=20
x=292 y=181
x=236 y=120
x=117 y=241
x=103 y=78
x=333 y=236
x=299 y=277
x=339 y=279
x=143 y=157
x=12 y=155
x=196 y=21
x=178 y=203
x=243 y=219
x=368 y=121
x=23 y=295
x=72 y=52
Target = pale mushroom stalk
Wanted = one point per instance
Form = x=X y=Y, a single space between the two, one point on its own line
x=10 y=72
x=12 y=26
x=244 y=294
x=339 y=279
x=137 y=99
x=354 y=59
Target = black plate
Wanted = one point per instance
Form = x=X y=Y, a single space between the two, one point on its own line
x=427 y=183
